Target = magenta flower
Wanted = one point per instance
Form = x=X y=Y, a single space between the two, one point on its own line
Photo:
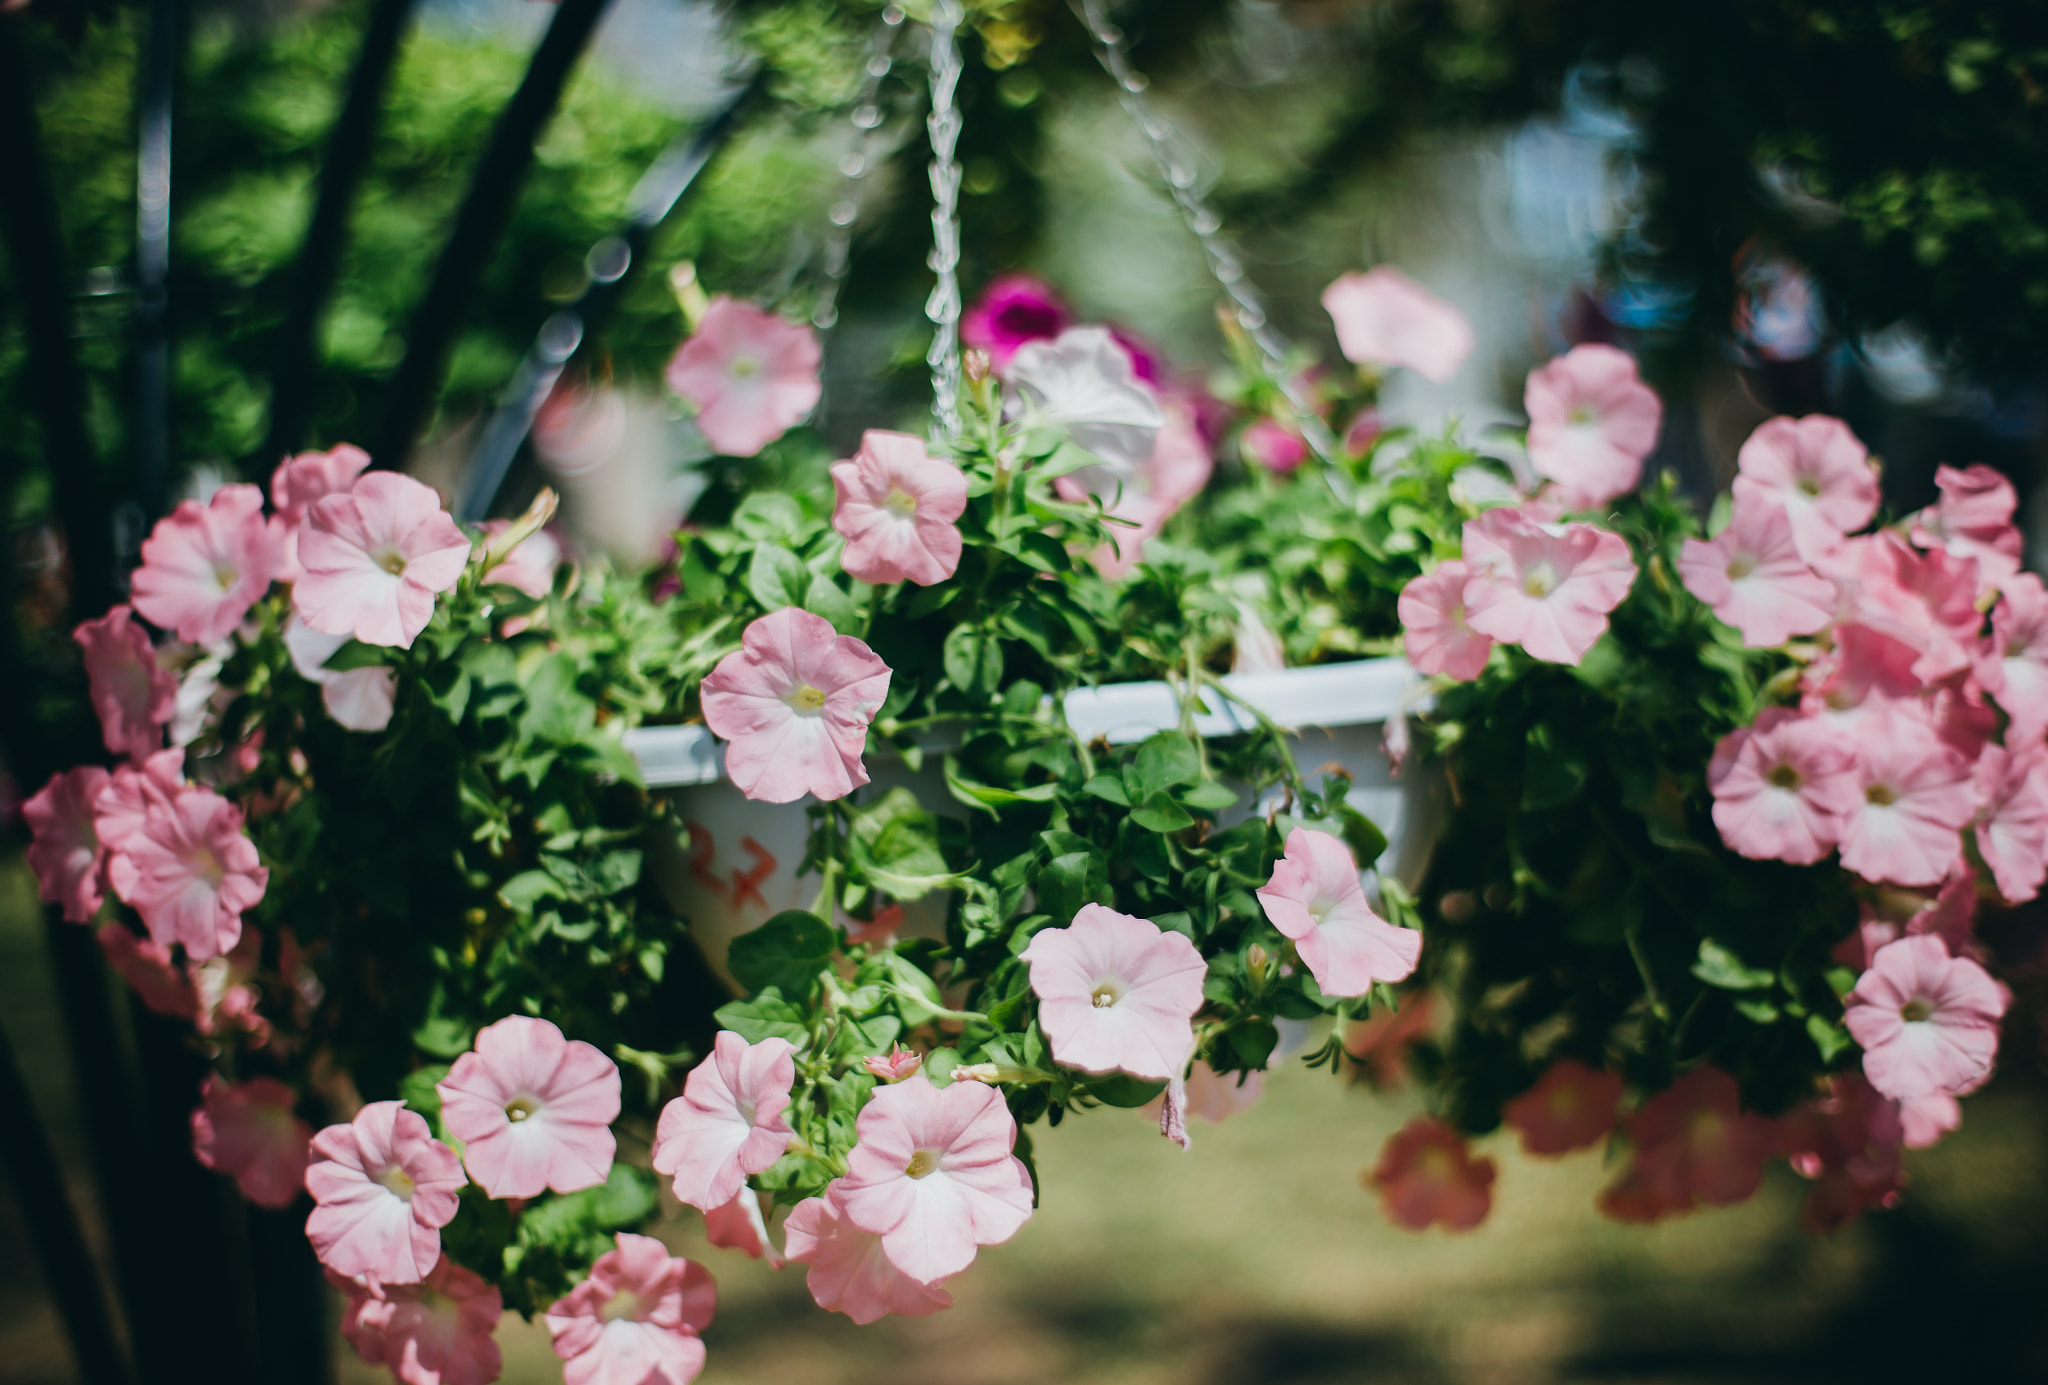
x=2012 y=824
x=1753 y=577
x=728 y=1123
x=1314 y=898
x=635 y=1320
x=1083 y=381
x=203 y=567
x=2015 y=670
x=361 y=699
x=752 y=376
x=897 y=504
x=385 y=1187
x=1917 y=796
x=1116 y=993
x=533 y=1110
x=1817 y=472
x=794 y=705
x=1693 y=1144
x=374 y=559
x=740 y=1226
x=848 y=1271
x=133 y=696
x=434 y=1332
x=150 y=971
x=1180 y=465
x=249 y=1132
x=1385 y=318
x=1273 y=445
x=1973 y=519
x=1012 y=310
x=1433 y=629
x=1547 y=588
x=190 y=871
x=1427 y=1174
x=65 y=852
x=1571 y=1107
x=1591 y=422
x=1784 y=788
x=1927 y=1022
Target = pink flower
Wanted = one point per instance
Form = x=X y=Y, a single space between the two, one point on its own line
x=1314 y=898
x=1784 y=788
x=151 y=971
x=739 y=1225
x=1427 y=1174
x=1367 y=427
x=190 y=871
x=1591 y=422
x=1693 y=1144
x=1925 y=1119
x=532 y=1109
x=530 y=566
x=1385 y=318
x=1570 y=1108
x=1116 y=993
x=635 y=1320
x=1816 y=470
x=752 y=376
x=1866 y=673
x=1175 y=472
x=849 y=1273
x=361 y=699
x=1547 y=588
x=1973 y=519
x=1380 y=1045
x=1273 y=445
x=1847 y=1142
x=128 y=798
x=1927 y=601
x=1214 y=1096
x=1948 y=914
x=1433 y=628
x=794 y=704
x=1928 y=1022
x=897 y=1064
x=385 y=1187
x=728 y=1123
x=897 y=504
x=1013 y=309
x=204 y=567
x=434 y=1332
x=933 y=1175
x=301 y=480
x=1916 y=799
x=1753 y=577
x=249 y=1132
x=133 y=696
x=374 y=559
x=2015 y=671
x=2012 y=827
x=66 y=853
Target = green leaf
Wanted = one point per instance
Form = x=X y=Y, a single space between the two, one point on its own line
x=1717 y=966
x=1066 y=459
x=989 y=798
x=443 y=1037
x=529 y=888
x=776 y=578
x=1253 y=1042
x=354 y=655
x=1159 y=813
x=1831 y=1039
x=787 y=952
x=1362 y=835
x=1164 y=761
x=416 y=1090
x=1553 y=769
x=1757 y=1011
x=896 y=846
x=1041 y=550
x=1121 y=1089
x=1108 y=788
x=824 y=598
x=1210 y=796
x=765 y=1016
x=769 y=516
x=1070 y=881
x=973 y=662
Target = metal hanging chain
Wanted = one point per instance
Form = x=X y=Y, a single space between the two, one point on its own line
x=943 y=307
x=854 y=168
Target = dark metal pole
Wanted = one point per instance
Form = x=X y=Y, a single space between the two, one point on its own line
x=153 y=257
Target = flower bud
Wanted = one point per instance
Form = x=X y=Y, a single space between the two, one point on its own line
x=976 y=364
x=897 y=1064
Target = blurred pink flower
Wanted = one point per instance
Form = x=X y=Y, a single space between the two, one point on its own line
x=250 y=1132
x=1925 y=1119
x=190 y=871
x=1365 y=429
x=1865 y=674
x=203 y=567
x=435 y=1332
x=1847 y=1142
x=1547 y=588
x=530 y=566
x=635 y=1319
x=375 y=557
x=1973 y=519
x=897 y=1064
x=1427 y=1174
x=1572 y=1106
x=1816 y=470
x=385 y=1187
x=1273 y=445
x=1926 y=601
x=897 y=504
x=1176 y=471
x=2015 y=668
x=728 y=1123
x=752 y=375
x=361 y=699
x=2012 y=823
x=849 y=1273
x=136 y=790
x=1433 y=629
x=1927 y=1022
x=1012 y=310
x=1949 y=913
x=1753 y=577
x=1116 y=993
x=150 y=971
x=301 y=480
x=793 y=704
x=1784 y=788
x=1692 y=1144
x=1591 y=422
x=738 y=1225
x=1916 y=798
x=133 y=696
x=533 y=1110
x=1385 y=318
x=1380 y=1044
x=1314 y=898
x=65 y=851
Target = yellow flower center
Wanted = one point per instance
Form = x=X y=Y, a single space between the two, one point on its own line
x=745 y=367
x=521 y=1106
x=922 y=1164
x=1539 y=581
x=225 y=577
x=623 y=1304
x=1740 y=566
x=398 y=1181
x=1105 y=995
x=807 y=699
x=392 y=561
x=1881 y=795
x=1916 y=1011
x=900 y=503
x=1808 y=485
x=1782 y=777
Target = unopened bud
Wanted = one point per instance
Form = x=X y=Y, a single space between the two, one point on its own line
x=993 y=1073
x=895 y=1065
x=1256 y=960
x=976 y=365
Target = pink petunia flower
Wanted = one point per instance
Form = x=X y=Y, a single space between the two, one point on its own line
x=533 y=1110
x=1592 y=420
x=435 y=1332
x=1570 y=1108
x=1434 y=632
x=752 y=375
x=933 y=1175
x=361 y=699
x=728 y=1123
x=1917 y=796
x=1925 y=1119
x=203 y=567
x=2015 y=668
x=1273 y=445
x=385 y=1187
x=849 y=1273
x=1012 y=310
x=1084 y=381
x=190 y=871
x=133 y=696
x=2012 y=824
x=1175 y=472
x=375 y=557
x=1864 y=674
x=229 y=998
x=530 y=566
x=1380 y=1044
x=895 y=1065
x=1926 y=601
x=1889 y=914
x=301 y=480
x=1427 y=1174
x=1547 y=588
x=1973 y=519
x=1385 y=318
x=65 y=851
x=1315 y=898
x=794 y=705
x=1753 y=577
x=126 y=800
x=1847 y=1142
x=1817 y=472
x=739 y=1225
x=1693 y=1144
x=636 y=1319
x=249 y=1132
x=1784 y=788
x=150 y=971
x=897 y=504
x=1116 y=993
x=1927 y=1022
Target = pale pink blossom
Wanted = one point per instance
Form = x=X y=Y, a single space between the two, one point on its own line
x=385 y=1187
x=374 y=558
x=203 y=567
x=136 y=790
x=434 y=1332
x=133 y=696
x=530 y=566
x=897 y=504
x=190 y=871
x=933 y=1175
x=1926 y=601
x=739 y=1225
x=1314 y=897
x=249 y=1132
x=2015 y=669
x=729 y=1122
x=2012 y=824
x=1385 y=318
x=1964 y=721
x=1927 y=1022
x=1273 y=445
x=1753 y=577
x=1784 y=788
x=752 y=375
x=1925 y=1119
x=1084 y=381
x=635 y=1320
x=1211 y=1095
x=1816 y=470
x=301 y=480
x=895 y=1065
x=65 y=850
x=1175 y=472
x=1864 y=674
x=1547 y=588
x=533 y=1109
x=1692 y=1144
x=1591 y=422
x=794 y=703
x=361 y=699
x=229 y=996
x=848 y=1271
x=151 y=971
x=1847 y=1142
x=1427 y=1175
x=1380 y=1044
x=1116 y=993
x=1973 y=519
x=1916 y=798
x=1433 y=629
x=1572 y=1106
